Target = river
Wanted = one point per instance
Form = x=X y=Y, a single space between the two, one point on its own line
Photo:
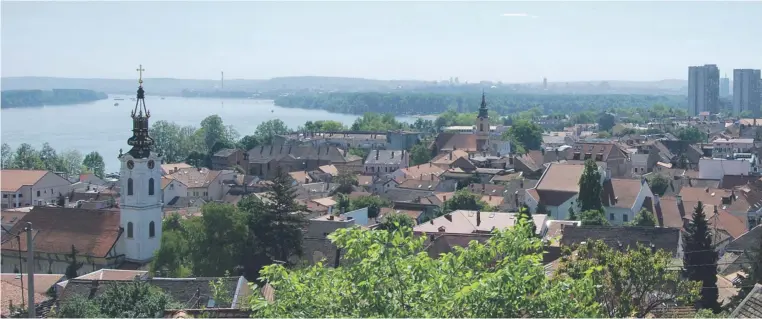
x=100 y=126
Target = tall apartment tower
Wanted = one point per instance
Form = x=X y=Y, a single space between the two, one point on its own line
x=746 y=91
x=725 y=86
x=703 y=89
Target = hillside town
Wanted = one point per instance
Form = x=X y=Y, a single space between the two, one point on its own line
x=623 y=186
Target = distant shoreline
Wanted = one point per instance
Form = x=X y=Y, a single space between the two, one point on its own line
x=40 y=98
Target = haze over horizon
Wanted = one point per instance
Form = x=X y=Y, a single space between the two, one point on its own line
x=497 y=41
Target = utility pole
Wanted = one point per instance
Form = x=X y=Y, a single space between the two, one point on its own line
x=30 y=270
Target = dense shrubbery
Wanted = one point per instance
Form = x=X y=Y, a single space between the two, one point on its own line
x=24 y=98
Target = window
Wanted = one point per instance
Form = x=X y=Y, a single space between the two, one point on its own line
x=481 y=127
x=151 y=229
x=129 y=230
x=21 y=195
x=5 y=195
x=625 y=218
x=171 y=186
x=129 y=187
x=150 y=186
x=206 y=194
x=38 y=193
x=611 y=216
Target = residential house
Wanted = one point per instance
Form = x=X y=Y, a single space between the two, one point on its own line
x=266 y=160
x=624 y=198
x=385 y=161
x=170 y=168
x=204 y=183
x=31 y=187
x=445 y=160
x=12 y=216
x=744 y=203
x=94 y=233
x=716 y=168
x=402 y=140
x=230 y=159
x=418 y=171
x=679 y=153
x=724 y=148
x=470 y=222
x=301 y=177
x=557 y=190
x=751 y=306
x=326 y=202
x=450 y=141
x=643 y=164
x=415 y=214
x=14 y=291
x=431 y=184
x=609 y=153
x=172 y=188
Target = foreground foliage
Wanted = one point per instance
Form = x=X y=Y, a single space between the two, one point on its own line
x=389 y=274
x=631 y=283
x=135 y=299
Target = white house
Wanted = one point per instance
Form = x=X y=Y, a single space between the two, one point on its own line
x=204 y=183
x=31 y=187
x=722 y=148
x=172 y=188
x=386 y=161
x=624 y=198
x=558 y=189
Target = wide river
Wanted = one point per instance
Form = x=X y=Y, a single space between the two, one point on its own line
x=100 y=126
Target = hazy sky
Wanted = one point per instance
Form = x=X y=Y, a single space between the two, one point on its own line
x=500 y=41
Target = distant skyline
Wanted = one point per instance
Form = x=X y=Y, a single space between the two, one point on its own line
x=495 y=41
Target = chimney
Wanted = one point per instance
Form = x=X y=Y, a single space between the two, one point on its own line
x=330 y=217
x=444 y=198
x=479 y=217
x=392 y=154
x=451 y=155
x=448 y=217
x=376 y=154
x=707 y=189
x=522 y=183
x=679 y=199
x=490 y=198
x=432 y=177
x=261 y=149
x=66 y=201
x=516 y=198
x=441 y=229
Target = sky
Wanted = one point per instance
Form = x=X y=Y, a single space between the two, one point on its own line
x=496 y=41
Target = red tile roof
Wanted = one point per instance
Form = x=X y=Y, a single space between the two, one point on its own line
x=559 y=183
x=620 y=192
x=56 y=229
x=11 y=292
x=13 y=179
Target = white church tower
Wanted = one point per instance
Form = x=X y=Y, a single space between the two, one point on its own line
x=140 y=194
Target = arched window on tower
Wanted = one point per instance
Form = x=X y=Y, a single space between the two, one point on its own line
x=481 y=127
x=150 y=186
x=129 y=230
x=151 y=229
x=129 y=186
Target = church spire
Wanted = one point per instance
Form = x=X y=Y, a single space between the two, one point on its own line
x=483 y=111
x=140 y=141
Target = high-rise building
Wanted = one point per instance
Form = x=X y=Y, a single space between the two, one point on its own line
x=544 y=83
x=725 y=86
x=703 y=89
x=746 y=91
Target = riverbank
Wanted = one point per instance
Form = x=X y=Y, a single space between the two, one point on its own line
x=37 y=98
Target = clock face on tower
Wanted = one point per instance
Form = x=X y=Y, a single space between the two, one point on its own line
x=130 y=164
x=150 y=164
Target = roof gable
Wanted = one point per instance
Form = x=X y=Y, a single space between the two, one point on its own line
x=13 y=179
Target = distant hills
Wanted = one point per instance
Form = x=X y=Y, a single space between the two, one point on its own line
x=169 y=86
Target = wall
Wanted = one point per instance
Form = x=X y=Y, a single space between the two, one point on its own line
x=360 y=216
x=174 y=189
x=717 y=168
x=55 y=263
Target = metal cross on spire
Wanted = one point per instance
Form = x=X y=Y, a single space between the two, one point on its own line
x=140 y=70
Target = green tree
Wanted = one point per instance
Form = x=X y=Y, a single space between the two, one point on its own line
x=27 y=157
x=248 y=142
x=217 y=240
x=394 y=221
x=691 y=134
x=631 y=283
x=419 y=154
x=74 y=266
x=593 y=217
x=346 y=180
x=606 y=121
x=135 y=299
x=377 y=122
x=275 y=232
x=590 y=188
x=644 y=218
x=373 y=202
x=658 y=184
x=526 y=214
x=94 y=163
x=215 y=131
x=175 y=142
x=463 y=199
x=572 y=215
x=171 y=259
x=267 y=130
x=700 y=258
x=501 y=278
x=71 y=161
x=7 y=157
x=77 y=307
x=525 y=133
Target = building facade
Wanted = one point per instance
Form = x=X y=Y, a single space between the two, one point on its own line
x=746 y=91
x=703 y=89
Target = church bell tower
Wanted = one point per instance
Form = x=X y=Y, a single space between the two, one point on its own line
x=482 y=126
x=140 y=195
